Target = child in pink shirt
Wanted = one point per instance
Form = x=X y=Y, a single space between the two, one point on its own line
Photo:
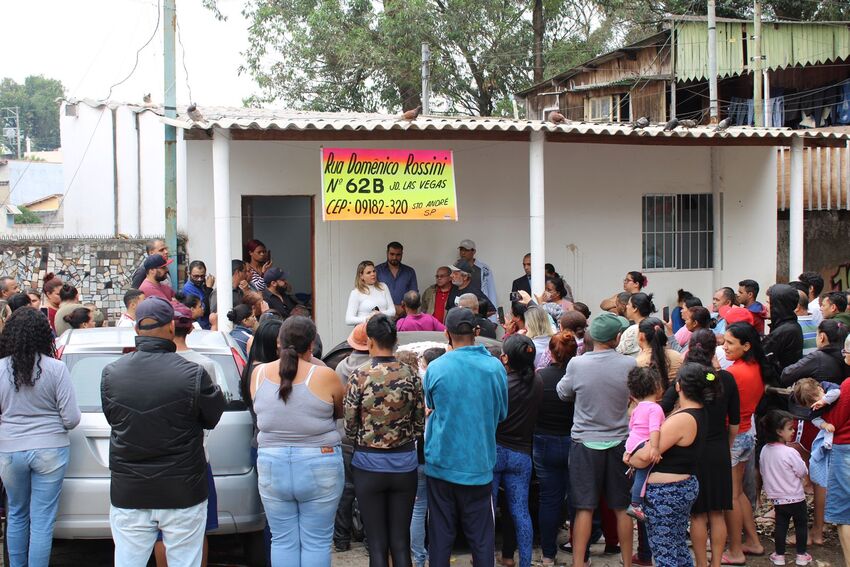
x=644 y=426
x=783 y=473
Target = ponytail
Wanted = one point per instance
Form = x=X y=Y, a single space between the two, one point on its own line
x=656 y=337
x=296 y=337
x=520 y=351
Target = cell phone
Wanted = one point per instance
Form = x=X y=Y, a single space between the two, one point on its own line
x=501 y=312
x=270 y=255
x=665 y=313
x=515 y=296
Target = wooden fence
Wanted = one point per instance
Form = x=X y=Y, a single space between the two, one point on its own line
x=826 y=178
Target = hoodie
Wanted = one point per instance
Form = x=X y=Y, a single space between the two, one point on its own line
x=784 y=344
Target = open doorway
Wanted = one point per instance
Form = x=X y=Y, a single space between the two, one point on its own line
x=285 y=225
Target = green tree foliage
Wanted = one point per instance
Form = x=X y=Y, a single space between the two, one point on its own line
x=37 y=100
x=364 y=55
x=27 y=217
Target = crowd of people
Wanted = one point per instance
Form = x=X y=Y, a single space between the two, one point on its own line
x=679 y=424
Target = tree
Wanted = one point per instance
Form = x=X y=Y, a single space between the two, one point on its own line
x=38 y=104
x=27 y=217
x=362 y=55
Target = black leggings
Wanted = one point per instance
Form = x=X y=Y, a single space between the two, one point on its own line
x=784 y=513
x=386 y=507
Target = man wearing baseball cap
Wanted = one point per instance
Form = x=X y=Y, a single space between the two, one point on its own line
x=156 y=270
x=275 y=292
x=598 y=382
x=481 y=274
x=158 y=405
x=467 y=389
x=463 y=281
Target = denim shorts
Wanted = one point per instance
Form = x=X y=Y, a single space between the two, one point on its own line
x=743 y=447
x=838 y=486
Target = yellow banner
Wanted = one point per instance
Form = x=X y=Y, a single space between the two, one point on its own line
x=370 y=184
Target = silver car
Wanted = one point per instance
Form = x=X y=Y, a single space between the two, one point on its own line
x=84 y=505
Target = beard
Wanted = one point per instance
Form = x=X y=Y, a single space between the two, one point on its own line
x=393 y=262
x=161 y=277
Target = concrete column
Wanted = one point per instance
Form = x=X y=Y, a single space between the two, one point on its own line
x=717 y=218
x=221 y=212
x=536 y=212
x=795 y=224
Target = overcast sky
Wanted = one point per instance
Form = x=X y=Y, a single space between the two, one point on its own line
x=91 y=44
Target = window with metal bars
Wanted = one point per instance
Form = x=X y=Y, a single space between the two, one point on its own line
x=678 y=232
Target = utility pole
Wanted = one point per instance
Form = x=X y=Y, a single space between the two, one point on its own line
x=712 y=64
x=758 y=104
x=170 y=83
x=8 y=114
x=426 y=79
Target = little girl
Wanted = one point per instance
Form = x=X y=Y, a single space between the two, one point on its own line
x=783 y=472
x=644 y=425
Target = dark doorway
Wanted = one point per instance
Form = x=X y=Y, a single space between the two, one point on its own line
x=285 y=225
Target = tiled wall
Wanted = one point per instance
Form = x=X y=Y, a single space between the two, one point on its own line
x=101 y=269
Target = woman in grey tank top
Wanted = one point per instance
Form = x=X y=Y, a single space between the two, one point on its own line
x=299 y=460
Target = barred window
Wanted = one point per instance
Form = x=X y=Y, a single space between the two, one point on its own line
x=678 y=232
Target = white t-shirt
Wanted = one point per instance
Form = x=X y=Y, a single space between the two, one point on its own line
x=814 y=311
x=361 y=305
x=126 y=321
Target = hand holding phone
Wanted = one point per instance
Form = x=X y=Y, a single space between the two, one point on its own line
x=665 y=313
x=501 y=312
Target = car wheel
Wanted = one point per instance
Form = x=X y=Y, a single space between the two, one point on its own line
x=333 y=360
x=254 y=549
x=357 y=531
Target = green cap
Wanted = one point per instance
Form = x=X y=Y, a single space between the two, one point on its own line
x=606 y=326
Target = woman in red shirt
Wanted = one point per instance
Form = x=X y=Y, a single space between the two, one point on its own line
x=52 y=287
x=743 y=348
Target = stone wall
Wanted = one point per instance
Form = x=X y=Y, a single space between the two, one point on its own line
x=100 y=268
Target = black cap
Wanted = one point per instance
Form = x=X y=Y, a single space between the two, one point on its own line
x=273 y=275
x=460 y=321
x=156 y=261
x=156 y=308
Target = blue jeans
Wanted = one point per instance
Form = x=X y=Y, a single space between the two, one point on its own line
x=135 y=530
x=300 y=488
x=417 y=523
x=513 y=469
x=33 y=481
x=551 y=463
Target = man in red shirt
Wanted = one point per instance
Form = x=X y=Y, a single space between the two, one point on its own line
x=435 y=297
x=156 y=270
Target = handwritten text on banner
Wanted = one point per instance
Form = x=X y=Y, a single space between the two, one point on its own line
x=373 y=184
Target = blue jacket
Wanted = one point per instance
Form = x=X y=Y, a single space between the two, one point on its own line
x=468 y=390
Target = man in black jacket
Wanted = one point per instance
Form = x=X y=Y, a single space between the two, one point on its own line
x=826 y=363
x=158 y=405
x=523 y=283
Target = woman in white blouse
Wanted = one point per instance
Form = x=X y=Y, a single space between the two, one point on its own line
x=368 y=295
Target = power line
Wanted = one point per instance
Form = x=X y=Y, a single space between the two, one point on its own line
x=138 y=51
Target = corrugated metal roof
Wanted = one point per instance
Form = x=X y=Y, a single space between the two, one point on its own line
x=304 y=121
x=783 y=45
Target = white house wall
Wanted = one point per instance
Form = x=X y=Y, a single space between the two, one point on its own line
x=593 y=222
x=90 y=204
x=88 y=177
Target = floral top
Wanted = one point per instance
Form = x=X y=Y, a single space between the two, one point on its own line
x=629 y=342
x=384 y=405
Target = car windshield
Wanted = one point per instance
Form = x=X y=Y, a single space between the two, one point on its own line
x=86 y=369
